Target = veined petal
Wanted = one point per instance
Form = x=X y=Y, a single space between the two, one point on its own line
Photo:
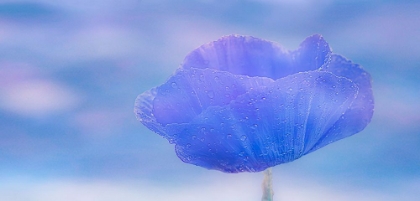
x=143 y=108
x=358 y=116
x=312 y=53
x=242 y=55
x=246 y=55
x=188 y=93
x=295 y=113
x=267 y=127
x=215 y=140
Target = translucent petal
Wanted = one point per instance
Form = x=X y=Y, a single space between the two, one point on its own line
x=215 y=140
x=246 y=55
x=189 y=92
x=313 y=53
x=360 y=113
x=143 y=109
x=266 y=127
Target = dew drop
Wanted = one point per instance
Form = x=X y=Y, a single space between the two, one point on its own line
x=243 y=137
x=174 y=85
x=210 y=94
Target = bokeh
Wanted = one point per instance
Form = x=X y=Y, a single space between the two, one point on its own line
x=70 y=71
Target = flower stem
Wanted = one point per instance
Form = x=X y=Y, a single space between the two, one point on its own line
x=267 y=186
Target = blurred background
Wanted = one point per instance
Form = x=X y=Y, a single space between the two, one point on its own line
x=70 y=71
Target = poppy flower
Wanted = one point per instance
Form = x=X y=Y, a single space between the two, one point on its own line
x=246 y=104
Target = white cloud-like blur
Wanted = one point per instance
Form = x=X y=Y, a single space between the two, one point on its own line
x=37 y=98
x=25 y=92
x=220 y=188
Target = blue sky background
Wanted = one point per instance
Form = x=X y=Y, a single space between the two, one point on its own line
x=70 y=71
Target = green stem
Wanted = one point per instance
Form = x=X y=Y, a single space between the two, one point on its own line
x=267 y=186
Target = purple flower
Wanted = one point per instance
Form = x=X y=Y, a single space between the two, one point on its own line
x=245 y=104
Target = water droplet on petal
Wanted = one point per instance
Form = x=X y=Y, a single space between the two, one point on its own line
x=210 y=94
x=201 y=78
x=243 y=137
x=174 y=85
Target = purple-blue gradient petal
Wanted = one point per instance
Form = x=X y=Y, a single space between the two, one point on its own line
x=246 y=55
x=264 y=128
x=188 y=93
x=244 y=104
x=358 y=116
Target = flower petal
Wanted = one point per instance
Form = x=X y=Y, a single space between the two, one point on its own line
x=246 y=55
x=143 y=108
x=313 y=53
x=215 y=141
x=189 y=92
x=358 y=116
x=269 y=126
x=242 y=55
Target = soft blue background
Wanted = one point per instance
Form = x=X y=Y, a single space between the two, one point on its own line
x=70 y=71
